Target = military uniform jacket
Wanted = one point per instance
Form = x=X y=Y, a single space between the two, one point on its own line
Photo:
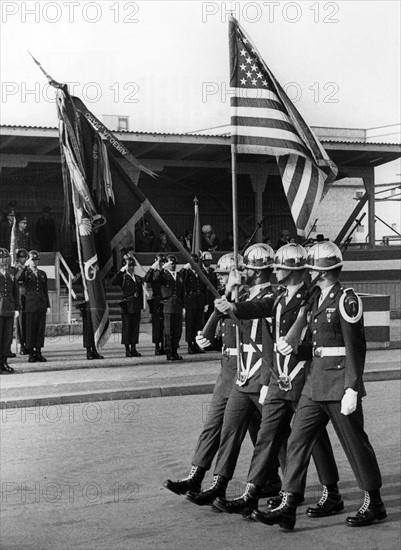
x=330 y=376
x=9 y=295
x=172 y=290
x=258 y=329
x=195 y=294
x=36 y=293
x=228 y=371
x=131 y=287
x=156 y=289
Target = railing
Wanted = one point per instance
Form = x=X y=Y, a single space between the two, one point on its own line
x=63 y=272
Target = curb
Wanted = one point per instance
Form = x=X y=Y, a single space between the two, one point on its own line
x=146 y=393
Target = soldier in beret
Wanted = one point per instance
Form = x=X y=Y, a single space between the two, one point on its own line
x=9 y=307
x=131 y=305
x=34 y=283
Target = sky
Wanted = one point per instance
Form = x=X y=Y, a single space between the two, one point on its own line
x=165 y=64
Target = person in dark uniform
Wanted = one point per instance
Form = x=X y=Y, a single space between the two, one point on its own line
x=34 y=282
x=22 y=235
x=283 y=239
x=333 y=391
x=87 y=331
x=284 y=390
x=206 y=262
x=21 y=258
x=172 y=290
x=243 y=402
x=9 y=307
x=208 y=442
x=6 y=229
x=131 y=305
x=195 y=295
x=155 y=304
x=46 y=230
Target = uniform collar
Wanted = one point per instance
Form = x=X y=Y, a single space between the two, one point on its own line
x=255 y=290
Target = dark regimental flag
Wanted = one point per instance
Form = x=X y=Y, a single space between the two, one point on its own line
x=264 y=121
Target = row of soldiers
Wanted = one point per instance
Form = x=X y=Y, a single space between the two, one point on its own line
x=302 y=356
x=23 y=296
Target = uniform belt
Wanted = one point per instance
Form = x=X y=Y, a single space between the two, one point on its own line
x=244 y=348
x=329 y=351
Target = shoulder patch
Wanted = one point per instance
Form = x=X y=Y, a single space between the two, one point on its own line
x=350 y=306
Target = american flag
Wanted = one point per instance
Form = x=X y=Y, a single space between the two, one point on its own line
x=264 y=121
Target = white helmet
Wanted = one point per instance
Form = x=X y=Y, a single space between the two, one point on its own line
x=258 y=256
x=291 y=256
x=323 y=256
x=226 y=263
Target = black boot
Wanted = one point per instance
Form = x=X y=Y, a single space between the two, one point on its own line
x=89 y=354
x=245 y=504
x=191 y=349
x=4 y=366
x=329 y=504
x=39 y=356
x=134 y=351
x=32 y=356
x=96 y=354
x=192 y=482
x=127 y=351
x=284 y=515
x=169 y=355
x=274 y=502
x=158 y=350
x=371 y=510
x=23 y=350
x=217 y=489
x=175 y=356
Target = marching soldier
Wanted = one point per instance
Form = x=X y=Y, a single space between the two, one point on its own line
x=243 y=403
x=283 y=392
x=195 y=295
x=9 y=307
x=333 y=391
x=34 y=282
x=172 y=290
x=156 y=306
x=131 y=305
x=208 y=442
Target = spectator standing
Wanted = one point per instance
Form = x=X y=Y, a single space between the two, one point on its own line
x=283 y=239
x=34 y=282
x=145 y=238
x=9 y=306
x=155 y=304
x=131 y=305
x=46 y=230
x=206 y=262
x=23 y=237
x=6 y=229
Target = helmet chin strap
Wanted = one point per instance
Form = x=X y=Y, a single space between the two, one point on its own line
x=285 y=279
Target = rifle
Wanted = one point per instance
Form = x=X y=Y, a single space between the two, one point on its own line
x=248 y=242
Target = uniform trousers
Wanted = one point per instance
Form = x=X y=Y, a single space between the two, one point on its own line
x=193 y=323
x=311 y=418
x=209 y=440
x=130 y=327
x=21 y=328
x=6 y=335
x=157 y=323
x=240 y=409
x=35 y=329
x=274 y=430
x=172 y=330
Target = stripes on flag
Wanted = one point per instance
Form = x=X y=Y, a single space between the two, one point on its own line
x=265 y=122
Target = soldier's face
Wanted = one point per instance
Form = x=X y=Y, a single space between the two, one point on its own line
x=281 y=274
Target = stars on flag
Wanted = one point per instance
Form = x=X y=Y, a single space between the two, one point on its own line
x=255 y=76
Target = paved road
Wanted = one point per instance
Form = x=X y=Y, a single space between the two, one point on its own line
x=89 y=476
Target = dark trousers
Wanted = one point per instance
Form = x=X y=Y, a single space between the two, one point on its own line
x=35 y=329
x=311 y=418
x=241 y=408
x=6 y=335
x=158 y=324
x=172 y=330
x=130 y=327
x=21 y=328
x=274 y=430
x=209 y=440
x=193 y=323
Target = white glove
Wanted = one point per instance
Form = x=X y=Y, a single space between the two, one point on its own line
x=201 y=341
x=234 y=279
x=28 y=263
x=283 y=346
x=48 y=310
x=205 y=308
x=124 y=268
x=16 y=314
x=155 y=265
x=167 y=265
x=187 y=266
x=223 y=305
x=263 y=394
x=348 y=402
